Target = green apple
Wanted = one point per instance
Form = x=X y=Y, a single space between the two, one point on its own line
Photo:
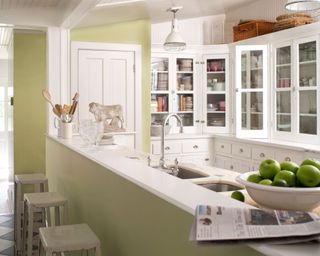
x=310 y=161
x=289 y=166
x=266 y=182
x=288 y=176
x=280 y=183
x=269 y=168
x=308 y=175
x=255 y=178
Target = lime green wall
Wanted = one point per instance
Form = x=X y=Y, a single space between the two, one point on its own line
x=134 y=32
x=129 y=220
x=29 y=106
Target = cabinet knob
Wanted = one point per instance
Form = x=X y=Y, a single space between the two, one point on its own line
x=206 y=159
x=167 y=148
x=231 y=167
x=197 y=121
x=288 y=159
x=222 y=146
x=262 y=155
x=241 y=150
x=195 y=146
x=202 y=121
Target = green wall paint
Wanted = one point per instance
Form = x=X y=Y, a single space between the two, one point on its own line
x=129 y=220
x=29 y=106
x=134 y=32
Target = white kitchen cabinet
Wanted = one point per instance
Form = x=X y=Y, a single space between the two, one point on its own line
x=194 y=85
x=296 y=90
x=191 y=150
x=251 y=91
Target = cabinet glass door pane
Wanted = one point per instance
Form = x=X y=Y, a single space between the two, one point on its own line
x=284 y=67
x=284 y=111
x=252 y=69
x=308 y=112
x=216 y=110
x=185 y=90
x=159 y=74
x=307 y=64
x=252 y=110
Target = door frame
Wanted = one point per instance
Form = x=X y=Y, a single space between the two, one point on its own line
x=136 y=49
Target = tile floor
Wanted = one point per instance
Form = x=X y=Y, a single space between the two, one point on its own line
x=6 y=235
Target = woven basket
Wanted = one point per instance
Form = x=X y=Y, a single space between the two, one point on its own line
x=292 y=22
x=293 y=15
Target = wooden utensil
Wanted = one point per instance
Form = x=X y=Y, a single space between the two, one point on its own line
x=58 y=108
x=74 y=103
x=47 y=96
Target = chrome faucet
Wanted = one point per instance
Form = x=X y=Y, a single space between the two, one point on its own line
x=162 y=163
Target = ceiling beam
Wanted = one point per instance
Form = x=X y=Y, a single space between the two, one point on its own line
x=78 y=13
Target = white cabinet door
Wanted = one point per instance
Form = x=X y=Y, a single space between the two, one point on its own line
x=106 y=77
x=251 y=91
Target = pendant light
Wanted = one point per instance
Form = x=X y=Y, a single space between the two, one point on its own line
x=174 y=41
x=303 y=5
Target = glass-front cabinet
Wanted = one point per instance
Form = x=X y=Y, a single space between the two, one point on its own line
x=216 y=93
x=173 y=89
x=296 y=90
x=251 y=91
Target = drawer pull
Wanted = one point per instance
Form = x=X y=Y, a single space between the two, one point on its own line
x=288 y=159
x=231 y=167
x=222 y=146
x=262 y=155
x=206 y=159
x=195 y=146
x=202 y=121
x=167 y=148
x=197 y=121
x=241 y=150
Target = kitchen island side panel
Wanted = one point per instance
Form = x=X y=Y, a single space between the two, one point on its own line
x=129 y=220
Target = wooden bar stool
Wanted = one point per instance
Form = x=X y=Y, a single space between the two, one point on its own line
x=68 y=238
x=40 y=184
x=43 y=201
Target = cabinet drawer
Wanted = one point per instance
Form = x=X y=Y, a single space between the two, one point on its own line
x=286 y=155
x=222 y=162
x=262 y=153
x=170 y=147
x=241 y=150
x=222 y=147
x=194 y=146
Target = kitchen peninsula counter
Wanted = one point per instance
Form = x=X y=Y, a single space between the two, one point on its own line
x=135 y=209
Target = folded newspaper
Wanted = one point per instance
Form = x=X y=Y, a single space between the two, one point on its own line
x=216 y=224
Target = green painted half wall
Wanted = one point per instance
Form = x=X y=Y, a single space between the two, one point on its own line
x=29 y=106
x=134 y=32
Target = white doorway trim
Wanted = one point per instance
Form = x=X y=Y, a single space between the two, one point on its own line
x=136 y=49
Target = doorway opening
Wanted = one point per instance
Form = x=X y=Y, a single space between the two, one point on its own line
x=6 y=120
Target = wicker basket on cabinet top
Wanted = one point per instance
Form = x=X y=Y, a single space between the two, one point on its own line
x=252 y=29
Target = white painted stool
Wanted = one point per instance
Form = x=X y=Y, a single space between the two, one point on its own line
x=44 y=201
x=68 y=238
x=40 y=183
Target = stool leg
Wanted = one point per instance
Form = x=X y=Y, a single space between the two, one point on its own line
x=65 y=213
x=49 y=253
x=39 y=247
x=24 y=230
x=98 y=250
x=18 y=216
x=30 y=230
x=57 y=216
x=48 y=217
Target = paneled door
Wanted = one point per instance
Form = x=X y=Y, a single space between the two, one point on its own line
x=107 y=77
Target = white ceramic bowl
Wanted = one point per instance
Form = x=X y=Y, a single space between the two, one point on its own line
x=284 y=198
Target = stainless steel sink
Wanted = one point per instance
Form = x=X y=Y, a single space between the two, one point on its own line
x=220 y=187
x=185 y=173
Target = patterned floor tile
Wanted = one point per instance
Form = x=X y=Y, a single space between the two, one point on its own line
x=4 y=219
x=9 y=251
x=4 y=245
x=4 y=230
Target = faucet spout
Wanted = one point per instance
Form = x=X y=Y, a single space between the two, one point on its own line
x=166 y=120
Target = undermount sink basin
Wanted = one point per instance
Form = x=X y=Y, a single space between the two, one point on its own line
x=186 y=173
x=220 y=187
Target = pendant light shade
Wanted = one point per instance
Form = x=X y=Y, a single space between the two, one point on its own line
x=174 y=41
x=303 y=5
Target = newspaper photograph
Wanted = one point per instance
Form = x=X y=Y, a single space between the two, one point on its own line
x=215 y=223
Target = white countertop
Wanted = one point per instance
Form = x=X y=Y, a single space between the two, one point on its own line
x=132 y=165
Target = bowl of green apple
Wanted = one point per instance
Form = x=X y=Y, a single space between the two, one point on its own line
x=284 y=186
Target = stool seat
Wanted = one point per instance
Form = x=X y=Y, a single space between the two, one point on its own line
x=68 y=238
x=44 y=199
x=34 y=178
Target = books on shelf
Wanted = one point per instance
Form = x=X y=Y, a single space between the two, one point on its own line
x=162 y=103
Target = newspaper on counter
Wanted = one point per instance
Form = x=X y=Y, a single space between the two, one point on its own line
x=224 y=225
